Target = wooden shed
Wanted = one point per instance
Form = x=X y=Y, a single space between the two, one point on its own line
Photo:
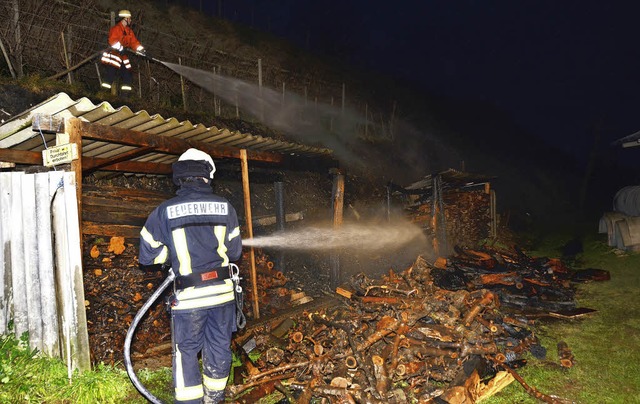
x=455 y=208
x=44 y=153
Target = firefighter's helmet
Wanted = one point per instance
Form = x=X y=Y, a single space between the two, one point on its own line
x=193 y=163
x=124 y=14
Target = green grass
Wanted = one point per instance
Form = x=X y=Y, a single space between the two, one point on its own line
x=605 y=344
x=27 y=376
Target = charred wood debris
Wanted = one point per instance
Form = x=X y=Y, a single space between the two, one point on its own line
x=454 y=330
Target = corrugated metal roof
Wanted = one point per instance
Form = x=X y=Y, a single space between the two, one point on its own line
x=451 y=177
x=18 y=133
x=632 y=140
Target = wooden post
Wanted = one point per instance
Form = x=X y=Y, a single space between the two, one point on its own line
x=494 y=216
x=79 y=348
x=72 y=129
x=98 y=74
x=6 y=58
x=331 y=120
x=215 y=103
x=184 y=94
x=66 y=58
x=338 y=204
x=366 y=121
x=248 y=223
x=260 y=89
x=112 y=22
x=278 y=188
x=17 y=35
x=392 y=120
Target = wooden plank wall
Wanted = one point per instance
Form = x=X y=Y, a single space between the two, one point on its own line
x=114 y=211
x=41 y=265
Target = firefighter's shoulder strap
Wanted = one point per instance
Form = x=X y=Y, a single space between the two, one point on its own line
x=241 y=320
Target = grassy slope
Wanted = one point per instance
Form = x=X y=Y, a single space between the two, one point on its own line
x=605 y=344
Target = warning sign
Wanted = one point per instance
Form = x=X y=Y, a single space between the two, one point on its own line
x=61 y=154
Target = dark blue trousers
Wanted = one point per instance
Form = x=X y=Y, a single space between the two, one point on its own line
x=207 y=331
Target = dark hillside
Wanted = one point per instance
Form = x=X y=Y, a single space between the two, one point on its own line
x=394 y=131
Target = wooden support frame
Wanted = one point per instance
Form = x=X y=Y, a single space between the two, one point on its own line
x=247 y=215
x=338 y=209
x=141 y=144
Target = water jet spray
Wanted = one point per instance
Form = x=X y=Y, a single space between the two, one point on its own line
x=361 y=237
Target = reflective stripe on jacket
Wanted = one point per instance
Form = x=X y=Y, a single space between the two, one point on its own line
x=120 y=37
x=196 y=231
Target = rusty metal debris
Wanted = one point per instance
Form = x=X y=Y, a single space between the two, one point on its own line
x=405 y=337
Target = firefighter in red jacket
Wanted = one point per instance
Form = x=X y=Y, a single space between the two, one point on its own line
x=197 y=232
x=116 y=62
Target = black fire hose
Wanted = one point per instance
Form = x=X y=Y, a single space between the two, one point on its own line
x=127 y=341
x=240 y=321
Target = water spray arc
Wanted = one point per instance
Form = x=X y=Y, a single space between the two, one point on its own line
x=359 y=237
x=334 y=127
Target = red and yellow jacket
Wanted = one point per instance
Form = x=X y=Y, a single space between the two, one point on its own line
x=120 y=37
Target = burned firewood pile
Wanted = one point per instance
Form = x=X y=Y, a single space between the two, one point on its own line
x=275 y=291
x=116 y=288
x=436 y=331
x=530 y=286
x=454 y=329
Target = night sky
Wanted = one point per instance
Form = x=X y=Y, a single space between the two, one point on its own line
x=561 y=68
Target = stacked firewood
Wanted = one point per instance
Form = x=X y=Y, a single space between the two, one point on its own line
x=115 y=289
x=466 y=217
x=275 y=291
x=400 y=339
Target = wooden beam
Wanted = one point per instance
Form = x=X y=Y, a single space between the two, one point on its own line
x=131 y=154
x=106 y=229
x=21 y=156
x=166 y=144
x=137 y=167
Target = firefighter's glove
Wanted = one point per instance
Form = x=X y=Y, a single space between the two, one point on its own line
x=142 y=52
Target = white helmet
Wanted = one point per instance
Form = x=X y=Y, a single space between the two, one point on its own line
x=199 y=155
x=124 y=14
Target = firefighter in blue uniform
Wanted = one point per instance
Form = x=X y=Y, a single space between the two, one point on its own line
x=197 y=232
